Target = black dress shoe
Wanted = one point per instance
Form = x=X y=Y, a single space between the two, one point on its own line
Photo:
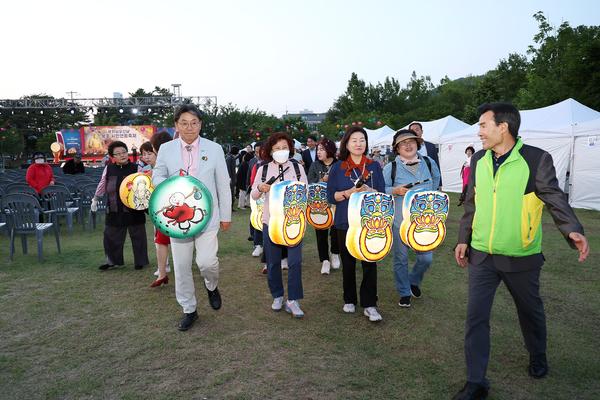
x=138 y=267
x=471 y=391
x=538 y=366
x=104 y=267
x=187 y=321
x=214 y=298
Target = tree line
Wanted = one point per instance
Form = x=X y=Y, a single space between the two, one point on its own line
x=562 y=62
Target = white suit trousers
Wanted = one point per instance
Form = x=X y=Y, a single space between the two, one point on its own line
x=206 y=245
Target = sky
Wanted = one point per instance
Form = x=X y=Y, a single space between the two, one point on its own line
x=276 y=56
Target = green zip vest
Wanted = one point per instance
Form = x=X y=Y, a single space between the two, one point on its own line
x=507 y=217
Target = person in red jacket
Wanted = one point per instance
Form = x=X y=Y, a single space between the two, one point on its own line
x=39 y=174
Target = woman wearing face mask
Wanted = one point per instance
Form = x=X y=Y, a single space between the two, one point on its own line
x=39 y=174
x=354 y=166
x=276 y=152
x=319 y=172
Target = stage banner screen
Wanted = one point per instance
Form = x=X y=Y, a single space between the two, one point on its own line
x=71 y=140
x=98 y=138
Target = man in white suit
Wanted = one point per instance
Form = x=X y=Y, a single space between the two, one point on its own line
x=204 y=159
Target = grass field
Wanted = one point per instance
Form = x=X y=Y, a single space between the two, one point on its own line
x=69 y=331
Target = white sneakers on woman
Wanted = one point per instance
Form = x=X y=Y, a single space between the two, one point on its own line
x=335 y=261
x=349 y=308
x=277 y=303
x=293 y=307
x=258 y=250
x=325 y=268
x=372 y=314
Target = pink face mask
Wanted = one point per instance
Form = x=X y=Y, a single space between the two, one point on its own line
x=39 y=160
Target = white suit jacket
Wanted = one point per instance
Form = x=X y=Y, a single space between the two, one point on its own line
x=212 y=171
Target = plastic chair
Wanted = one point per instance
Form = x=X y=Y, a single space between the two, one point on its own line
x=21 y=188
x=90 y=190
x=86 y=194
x=57 y=198
x=23 y=212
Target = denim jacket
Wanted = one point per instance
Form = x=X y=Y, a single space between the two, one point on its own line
x=404 y=176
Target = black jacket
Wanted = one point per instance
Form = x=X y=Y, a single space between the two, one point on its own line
x=307 y=159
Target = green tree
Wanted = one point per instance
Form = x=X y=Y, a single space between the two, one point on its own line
x=230 y=125
x=11 y=141
x=32 y=124
x=158 y=115
x=565 y=63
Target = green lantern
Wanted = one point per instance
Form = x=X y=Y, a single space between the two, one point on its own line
x=181 y=207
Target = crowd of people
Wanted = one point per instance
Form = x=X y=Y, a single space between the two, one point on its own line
x=495 y=240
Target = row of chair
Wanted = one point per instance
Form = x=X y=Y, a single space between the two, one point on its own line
x=23 y=211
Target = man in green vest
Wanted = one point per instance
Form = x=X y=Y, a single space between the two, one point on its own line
x=500 y=239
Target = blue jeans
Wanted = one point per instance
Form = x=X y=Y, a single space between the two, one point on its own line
x=400 y=263
x=273 y=254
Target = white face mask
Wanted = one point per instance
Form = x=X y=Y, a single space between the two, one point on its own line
x=281 y=156
x=39 y=160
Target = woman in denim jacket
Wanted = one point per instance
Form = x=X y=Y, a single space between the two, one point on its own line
x=420 y=172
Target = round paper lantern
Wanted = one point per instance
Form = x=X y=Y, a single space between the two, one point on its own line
x=257 y=212
x=370 y=219
x=55 y=147
x=135 y=191
x=424 y=225
x=181 y=207
x=287 y=213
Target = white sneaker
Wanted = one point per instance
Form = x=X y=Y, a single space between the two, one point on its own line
x=325 y=268
x=293 y=307
x=284 y=264
x=349 y=308
x=335 y=261
x=277 y=303
x=373 y=315
x=258 y=250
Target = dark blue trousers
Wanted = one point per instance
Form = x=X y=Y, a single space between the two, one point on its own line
x=273 y=253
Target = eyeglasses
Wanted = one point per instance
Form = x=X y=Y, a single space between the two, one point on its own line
x=185 y=124
x=119 y=154
x=406 y=143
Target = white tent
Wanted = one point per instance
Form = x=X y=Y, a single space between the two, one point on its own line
x=585 y=180
x=550 y=128
x=432 y=130
x=375 y=135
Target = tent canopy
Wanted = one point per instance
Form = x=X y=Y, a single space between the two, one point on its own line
x=375 y=135
x=585 y=179
x=432 y=130
x=550 y=128
x=556 y=120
